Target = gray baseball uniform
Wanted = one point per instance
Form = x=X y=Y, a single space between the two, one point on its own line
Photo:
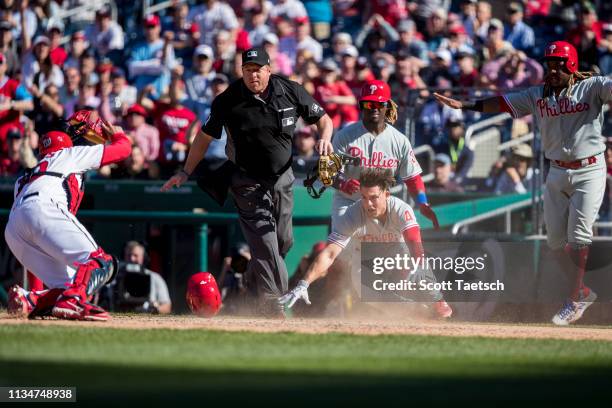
x=571 y=131
x=355 y=225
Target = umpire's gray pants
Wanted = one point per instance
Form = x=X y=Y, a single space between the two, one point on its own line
x=265 y=210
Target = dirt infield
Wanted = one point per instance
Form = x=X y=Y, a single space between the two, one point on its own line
x=349 y=326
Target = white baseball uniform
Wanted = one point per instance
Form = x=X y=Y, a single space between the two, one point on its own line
x=571 y=131
x=42 y=231
x=354 y=225
x=390 y=149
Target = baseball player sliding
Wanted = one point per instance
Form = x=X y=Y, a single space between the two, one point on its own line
x=568 y=111
x=378 y=145
x=376 y=217
x=46 y=237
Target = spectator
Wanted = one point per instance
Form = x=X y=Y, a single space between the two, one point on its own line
x=517 y=176
x=134 y=167
x=307 y=73
x=150 y=61
x=38 y=68
x=145 y=136
x=88 y=99
x=468 y=74
x=517 y=33
x=440 y=69
x=186 y=33
x=392 y=11
x=198 y=81
x=279 y=62
x=69 y=93
x=442 y=182
x=339 y=42
x=211 y=17
x=421 y=11
x=215 y=155
x=173 y=120
x=22 y=17
x=105 y=36
x=8 y=48
x=47 y=12
x=287 y=42
x=320 y=14
x=335 y=96
x=468 y=16
x=291 y=9
x=515 y=70
x=495 y=46
x=10 y=163
x=256 y=25
x=408 y=43
x=457 y=41
x=56 y=51
x=305 y=41
x=605 y=50
x=122 y=95
x=14 y=100
x=159 y=297
x=405 y=80
x=586 y=37
x=225 y=53
x=76 y=49
x=436 y=29
x=432 y=122
x=354 y=77
x=376 y=34
x=304 y=157
x=48 y=113
x=483 y=18
x=461 y=155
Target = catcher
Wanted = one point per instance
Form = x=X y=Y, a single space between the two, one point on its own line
x=376 y=217
x=43 y=232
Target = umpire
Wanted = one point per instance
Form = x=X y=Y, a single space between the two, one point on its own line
x=259 y=113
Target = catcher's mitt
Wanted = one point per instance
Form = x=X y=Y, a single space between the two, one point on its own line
x=326 y=170
x=85 y=127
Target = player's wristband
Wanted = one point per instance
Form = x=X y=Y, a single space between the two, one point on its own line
x=421 y=198
x=477 y=106
x=185 y=173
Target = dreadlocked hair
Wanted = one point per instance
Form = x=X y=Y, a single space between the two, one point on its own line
x=574 y=78
x=391 y=114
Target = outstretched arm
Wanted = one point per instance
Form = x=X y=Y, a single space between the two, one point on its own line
x=494 y=104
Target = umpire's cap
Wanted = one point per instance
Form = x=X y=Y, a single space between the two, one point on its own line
x=257 y=56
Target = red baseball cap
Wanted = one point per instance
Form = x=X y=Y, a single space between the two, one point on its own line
x=136 y=108
x=151 y=20
x=301 y=20
x=377 y=91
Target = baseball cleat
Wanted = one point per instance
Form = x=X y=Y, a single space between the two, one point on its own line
x=20 y=301
x=572 y=311
x=71 y=308
x=443 y=309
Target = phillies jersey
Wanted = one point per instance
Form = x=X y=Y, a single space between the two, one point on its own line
x=355 y=223
x=390 y=150
x=570 y=126
x=65 y=183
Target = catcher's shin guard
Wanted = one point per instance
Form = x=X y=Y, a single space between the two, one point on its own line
x=90 y=276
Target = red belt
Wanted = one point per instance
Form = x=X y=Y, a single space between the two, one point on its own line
x=576 y=164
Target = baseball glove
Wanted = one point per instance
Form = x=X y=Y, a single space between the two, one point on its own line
x=326 y=170
x=85 y=127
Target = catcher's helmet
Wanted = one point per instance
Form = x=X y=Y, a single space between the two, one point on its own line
x=53 y=141
x=377 y=91
x=564 y=51
x=203 y=297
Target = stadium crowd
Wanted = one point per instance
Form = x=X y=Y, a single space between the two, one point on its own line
x=156 y=75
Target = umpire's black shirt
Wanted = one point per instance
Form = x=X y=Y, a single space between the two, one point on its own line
x=260 y=132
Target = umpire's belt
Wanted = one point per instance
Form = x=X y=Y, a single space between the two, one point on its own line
x=576 y=164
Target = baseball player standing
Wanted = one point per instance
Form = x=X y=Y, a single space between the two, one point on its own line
x=378 y=145
x=46 y=237
x=568 y=110
x=376 y=217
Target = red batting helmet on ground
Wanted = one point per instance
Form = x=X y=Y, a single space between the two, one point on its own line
x=203 y=295
x=565 y=51
x=53 y=141
x=377 y=91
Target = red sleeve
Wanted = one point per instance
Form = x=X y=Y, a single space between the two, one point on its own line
x=412 y=237
x=119 y=149
x=415 y=185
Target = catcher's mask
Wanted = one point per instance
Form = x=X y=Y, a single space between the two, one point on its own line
x=326 y=170
x=85 y=128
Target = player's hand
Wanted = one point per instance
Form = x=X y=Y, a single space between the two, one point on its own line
x=429 y=213
x=453 y=103
x=299 y=292
x=349 y=186
x=108 y=130
x=324 y=147
x=175 y=181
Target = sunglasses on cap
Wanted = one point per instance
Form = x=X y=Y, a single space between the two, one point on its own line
x=372 y=105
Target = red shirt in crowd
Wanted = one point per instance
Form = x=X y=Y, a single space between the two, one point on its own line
x=339 y=114
x=356 y=84
x=172 y=122
x=8 y=118
x=58 y=56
